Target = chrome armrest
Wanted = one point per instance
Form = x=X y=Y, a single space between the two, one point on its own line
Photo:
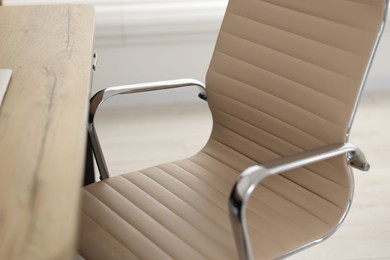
x=253 y=175
x=107 y=93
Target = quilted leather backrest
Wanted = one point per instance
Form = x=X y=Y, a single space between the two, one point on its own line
x=292 y=67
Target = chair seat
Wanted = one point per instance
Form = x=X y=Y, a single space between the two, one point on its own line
x=179 y=210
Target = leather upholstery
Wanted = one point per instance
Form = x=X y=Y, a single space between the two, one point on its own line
x=284 y=78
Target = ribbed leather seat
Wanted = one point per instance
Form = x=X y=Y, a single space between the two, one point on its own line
x=284 y=78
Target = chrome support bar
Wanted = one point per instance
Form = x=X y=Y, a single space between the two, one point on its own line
x=253 y=175
x=367 y=70
x=107 y=93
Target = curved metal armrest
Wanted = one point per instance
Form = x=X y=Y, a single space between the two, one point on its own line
x=253 y=175
x=107 y=93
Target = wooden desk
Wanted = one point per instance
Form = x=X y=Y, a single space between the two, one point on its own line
x=43 y=122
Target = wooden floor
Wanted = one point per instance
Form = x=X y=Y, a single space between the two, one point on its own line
x=158 y=134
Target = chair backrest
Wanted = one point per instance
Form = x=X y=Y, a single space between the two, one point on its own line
x=294 y=66
x=286 y=76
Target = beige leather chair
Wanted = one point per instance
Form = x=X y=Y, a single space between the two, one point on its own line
x=275 y=176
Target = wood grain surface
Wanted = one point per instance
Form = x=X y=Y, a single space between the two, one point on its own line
x=43 y=127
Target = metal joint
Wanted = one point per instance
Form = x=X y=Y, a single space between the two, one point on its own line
x=356 y=159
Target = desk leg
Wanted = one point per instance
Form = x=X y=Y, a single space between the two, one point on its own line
x=89 y=174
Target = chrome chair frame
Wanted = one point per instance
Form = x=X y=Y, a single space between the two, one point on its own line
x=253 y=175
x=107 y=93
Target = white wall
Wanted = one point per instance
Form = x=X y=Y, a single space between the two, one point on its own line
x=130 y=64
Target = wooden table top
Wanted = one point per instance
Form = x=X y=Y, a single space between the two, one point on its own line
x=43 y=123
